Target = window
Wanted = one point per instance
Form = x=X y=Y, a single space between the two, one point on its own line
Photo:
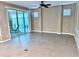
x=35 y=14
x=66 y=12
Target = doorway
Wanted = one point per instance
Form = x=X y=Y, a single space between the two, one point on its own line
x=18 y=22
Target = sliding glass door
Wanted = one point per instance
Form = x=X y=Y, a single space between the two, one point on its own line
x=13 y=21
x=26 y=17
x=18 y=21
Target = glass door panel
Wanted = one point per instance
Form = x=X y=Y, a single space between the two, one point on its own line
x=20 y=22
x=13 y=20
x=26 y=21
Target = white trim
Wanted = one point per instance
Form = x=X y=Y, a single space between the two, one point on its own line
x=49 y=32
x=4 y=41
x=45 y=31
x=76 y=36
x=52 y=32
x=35 y=31
x=67 y=33
x=57 y=33
x=8 y=24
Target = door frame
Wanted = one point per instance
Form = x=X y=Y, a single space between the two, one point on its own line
x=29 y=18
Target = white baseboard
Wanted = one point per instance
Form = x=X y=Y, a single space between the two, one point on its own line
x=4 y=41
x=67 y=33
x=52 y=32
x=58 y=33
x=35 y=31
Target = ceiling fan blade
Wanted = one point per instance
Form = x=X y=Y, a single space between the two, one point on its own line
x=48 y=4
x=44 y=5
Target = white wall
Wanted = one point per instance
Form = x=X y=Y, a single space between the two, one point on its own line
x=53 y=21
x=76 y=33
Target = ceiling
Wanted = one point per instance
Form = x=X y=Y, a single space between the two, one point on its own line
x=36 y=4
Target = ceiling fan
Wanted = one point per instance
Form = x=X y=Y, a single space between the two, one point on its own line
x=44 y=5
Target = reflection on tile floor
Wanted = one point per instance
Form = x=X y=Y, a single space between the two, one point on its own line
x=40 y=45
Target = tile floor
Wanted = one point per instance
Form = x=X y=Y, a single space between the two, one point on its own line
x=40 y=45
